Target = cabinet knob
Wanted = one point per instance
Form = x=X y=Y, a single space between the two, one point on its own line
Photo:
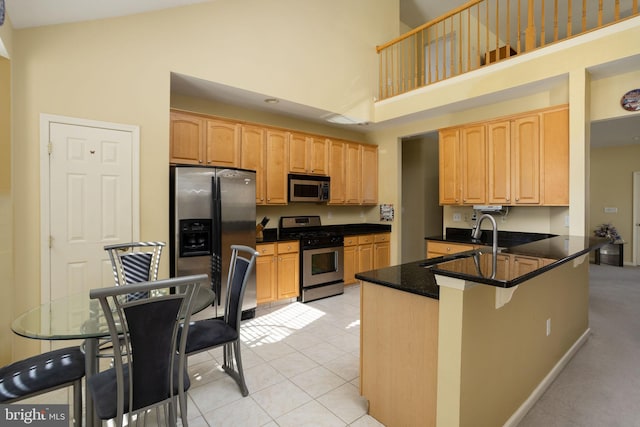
x=517 y=199
x=199 y=161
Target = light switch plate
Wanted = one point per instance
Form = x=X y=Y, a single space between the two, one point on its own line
x=610 y=210
x=457 y=217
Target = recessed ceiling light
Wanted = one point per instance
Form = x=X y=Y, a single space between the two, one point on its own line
x=636 y=138
x=271 y=101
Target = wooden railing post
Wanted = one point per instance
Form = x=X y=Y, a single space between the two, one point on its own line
x=530 y=32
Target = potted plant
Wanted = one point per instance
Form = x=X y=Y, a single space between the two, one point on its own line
x=609 y=231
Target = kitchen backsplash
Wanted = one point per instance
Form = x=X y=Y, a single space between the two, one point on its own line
x=329 y=215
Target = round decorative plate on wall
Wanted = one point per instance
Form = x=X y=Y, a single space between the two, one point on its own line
x=631 y=100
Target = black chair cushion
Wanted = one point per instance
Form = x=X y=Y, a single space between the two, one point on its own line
x=209 y=333
x=41 y=372
x=104 y=390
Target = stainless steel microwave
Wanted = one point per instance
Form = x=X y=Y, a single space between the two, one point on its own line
x=308 y=188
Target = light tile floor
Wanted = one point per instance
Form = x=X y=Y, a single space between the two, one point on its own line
x=301 y=365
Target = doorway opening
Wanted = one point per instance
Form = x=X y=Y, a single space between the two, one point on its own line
x=421 y=212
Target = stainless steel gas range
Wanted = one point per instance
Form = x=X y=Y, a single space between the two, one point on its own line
x=321 y=256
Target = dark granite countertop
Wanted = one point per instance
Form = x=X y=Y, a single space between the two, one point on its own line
x=270 y=235
x=420 y=277
x=506 y=239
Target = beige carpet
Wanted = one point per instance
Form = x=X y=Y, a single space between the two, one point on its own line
x=601 y=385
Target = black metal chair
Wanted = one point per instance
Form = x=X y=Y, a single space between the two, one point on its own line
x=44 y=373
x=211 y=333
x=135 y=262
x=150 y=364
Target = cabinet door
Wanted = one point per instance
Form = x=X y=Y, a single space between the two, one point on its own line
x=350 y=264
x=336 y=172
x=499 y=162
x=473 y=165
x=522 y=265
x=186 y=136
x=352 y=174
x=222 y=143
x=288 y=275
x=253 y=157
x=381 y=250
x=369 y=168
x=266 y=274
x=449 y=167
x=318 y=156
x=554 y=137
x=365 y=253
x=526 y=160
x=436 y=248
x=276 y=169
x=298 y=153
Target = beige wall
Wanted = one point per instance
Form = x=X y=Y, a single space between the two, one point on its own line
x=502 y=354
x=612 y=186
x=117 y=70
x=6 y=211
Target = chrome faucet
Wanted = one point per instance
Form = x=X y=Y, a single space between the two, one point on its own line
x=476 y=235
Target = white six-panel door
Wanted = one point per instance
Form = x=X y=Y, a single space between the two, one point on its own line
x=92 y=201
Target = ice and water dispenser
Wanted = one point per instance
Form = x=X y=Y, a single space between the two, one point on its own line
x=195 y=237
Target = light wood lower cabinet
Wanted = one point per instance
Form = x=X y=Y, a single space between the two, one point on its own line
x=277 y=271
x=365 y=252
x=438 y=248
x=398 y=360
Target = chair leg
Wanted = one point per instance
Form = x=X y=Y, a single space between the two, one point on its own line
x=237 y=373
x=77 y=403
x=241 y=383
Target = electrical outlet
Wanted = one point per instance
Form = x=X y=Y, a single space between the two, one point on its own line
x=457 y=217
x=548 y=326
x=566 y=220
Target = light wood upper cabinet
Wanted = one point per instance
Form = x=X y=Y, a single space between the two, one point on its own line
x=554 y=134
x=276 y=166
x=187 y=133
x=352 y=173
x=526 y=160
x=222 y=143
x=499 y=162
x=308 y=154
x=449 y=166
x=473 y=165
x=463 y=170
x=369 y=171
x=197 y=140
x=298 y=153
x=337 y=172
x=253 y=157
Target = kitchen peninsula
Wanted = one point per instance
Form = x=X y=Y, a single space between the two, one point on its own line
x=472 y=339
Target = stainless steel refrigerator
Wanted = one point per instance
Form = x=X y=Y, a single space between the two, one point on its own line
x=212 y=209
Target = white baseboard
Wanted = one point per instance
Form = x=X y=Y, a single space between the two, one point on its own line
x=519 y=414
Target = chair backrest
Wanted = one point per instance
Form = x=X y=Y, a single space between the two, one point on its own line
x=239 y=271
x=151 y=353
x=135 y=262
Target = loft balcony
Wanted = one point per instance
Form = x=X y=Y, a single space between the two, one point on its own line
x=485 y=32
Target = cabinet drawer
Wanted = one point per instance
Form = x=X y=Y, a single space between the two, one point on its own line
x=367 y=238
x=350 y=240
x=447 y=248
x=269 y=249
x=288 y=247
x=384 y=237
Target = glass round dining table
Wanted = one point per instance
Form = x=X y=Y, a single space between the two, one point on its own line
x=77 y=317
